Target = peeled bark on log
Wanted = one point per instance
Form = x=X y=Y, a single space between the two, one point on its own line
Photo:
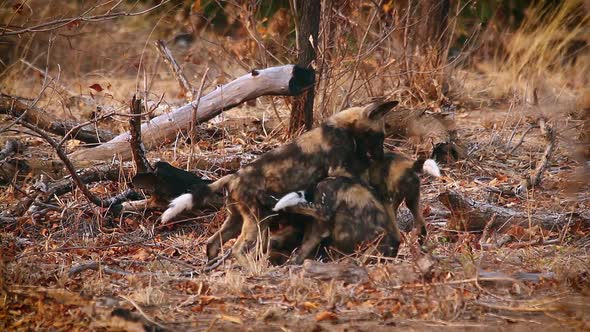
x=282 y=80
x=470 y=215
x=16 y=107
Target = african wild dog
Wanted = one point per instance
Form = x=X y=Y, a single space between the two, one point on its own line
x=395 y=179
x=167 y=182
x=346 y=214
x=347 y=139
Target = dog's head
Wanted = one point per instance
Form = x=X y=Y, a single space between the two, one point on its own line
x=367 y=125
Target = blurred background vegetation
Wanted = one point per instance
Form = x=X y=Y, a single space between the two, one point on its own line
x=434 y=52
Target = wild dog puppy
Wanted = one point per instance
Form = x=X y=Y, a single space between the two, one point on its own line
x=395 y=179
x=348 y=139
x=346 y=214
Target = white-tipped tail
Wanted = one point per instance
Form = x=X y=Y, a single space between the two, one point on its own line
x=291 y=199
x=179 y=204
x=430 y=167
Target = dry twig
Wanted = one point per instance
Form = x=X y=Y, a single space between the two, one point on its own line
x=60 y=23
x=187 y=89
x=71 y=169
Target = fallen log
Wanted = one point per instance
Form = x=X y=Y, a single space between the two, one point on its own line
x=347 y=272
x=473 y=216
x=283 y=80
x=17 y=108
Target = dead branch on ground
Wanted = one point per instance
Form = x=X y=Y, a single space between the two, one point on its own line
x=39 y=118
x=88 y=175
x=70 y=167
x=471 y=215
x=282 y=80
x=550 y=139
x=348 y=272
x=535 y=179
x=521 y=140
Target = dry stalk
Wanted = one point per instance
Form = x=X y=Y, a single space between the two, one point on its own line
x=185 y=86
x=137 y=148
x=193 y=131
x=346 y=98
x=60 y=23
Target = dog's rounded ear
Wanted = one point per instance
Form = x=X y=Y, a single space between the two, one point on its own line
x=378 y=110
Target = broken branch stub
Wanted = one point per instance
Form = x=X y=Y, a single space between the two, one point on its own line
x=473 y=216
x=283 y=80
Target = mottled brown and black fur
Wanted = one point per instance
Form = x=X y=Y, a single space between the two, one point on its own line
x=347 y=140
x=395 y=179
x=346 y=214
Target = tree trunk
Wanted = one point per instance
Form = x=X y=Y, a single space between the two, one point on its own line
x=434 y=17
x=308 y=26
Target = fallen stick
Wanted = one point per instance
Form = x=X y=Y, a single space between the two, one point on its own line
x=94 y=199
x=282 y=80
x=550 y=138
x=472 y=216
x=11 y=147
x=348 y=272
x=16 y=107
x=535 y=179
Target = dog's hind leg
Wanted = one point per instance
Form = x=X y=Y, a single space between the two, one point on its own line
x=391 y=210
x=230 y=229
x=249 y=233
x=413 y=203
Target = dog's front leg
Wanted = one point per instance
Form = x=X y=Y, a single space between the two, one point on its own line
x=249 y=233
x=392 y=215
x=413 y=204
x=230 y=229
x=315 y=231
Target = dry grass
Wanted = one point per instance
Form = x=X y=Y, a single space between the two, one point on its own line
x=542 y=55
